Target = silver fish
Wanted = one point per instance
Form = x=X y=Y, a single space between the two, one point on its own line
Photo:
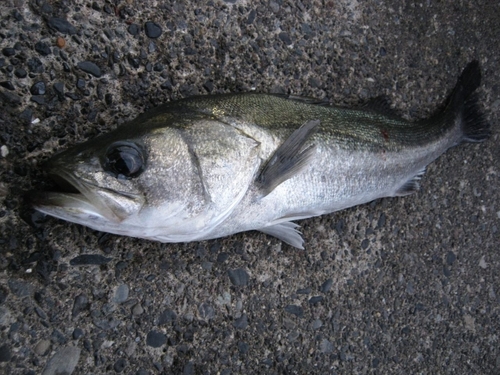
x=207 y=167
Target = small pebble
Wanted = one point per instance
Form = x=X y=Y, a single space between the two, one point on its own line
x=188 y=369
x=241 y=322
x=108 y=98
x=315 y=299
x=285 y=38
x=167 y=85
x=89 y=259
x=35 y=65
x=17 y=16
x=20 y=288
x=206 y=265
x=238 y=277
x=27 y=116
x=304 y=291
x=8 y=85
x=133 y=61
x=61 y=25
x=131 y=348
x=81 y=303
x=295 y=310
x=8 y=51
x=80 y=83
x=5 y=354
x=77 y=333
x=57 y=337
x=60 y=42
x=89 y=67
x=63 y=362
x=152 y=29
x=326 y=346
x=167 y=317
x=38 y=88
x=133 y=29
x=365 y=243
x=107 y=324
x=381 y=220
x=482 y=263
x=326 y=286
x=206 y=311
x=43 y=48
x=40 y=313
x=274 y=6
x=20 y=73
x=59 y=90
x=156 y=339
x=243 y=347
x=137 y=309
x=293 y=335
x=151 y=47
x=121 y=293
x=38 y=99
x=42 y=347
x=222 y=257
x=317 y=324
x=251 y=16
x=4 y=151
x=209 y=86
x=120 y=365
x=450 y=258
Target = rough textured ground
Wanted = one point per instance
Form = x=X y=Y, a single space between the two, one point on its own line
x=398 y=286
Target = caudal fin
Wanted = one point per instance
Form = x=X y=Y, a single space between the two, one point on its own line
x=463 y=105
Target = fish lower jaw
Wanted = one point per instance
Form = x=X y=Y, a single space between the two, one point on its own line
x=73 y=207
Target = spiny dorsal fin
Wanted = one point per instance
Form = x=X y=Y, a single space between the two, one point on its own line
x=286 y=232
x=410 y=186
x=288 y=160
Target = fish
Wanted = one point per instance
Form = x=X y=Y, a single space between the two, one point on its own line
x=211 y=166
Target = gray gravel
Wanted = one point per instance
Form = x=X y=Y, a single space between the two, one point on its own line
x=401 y=286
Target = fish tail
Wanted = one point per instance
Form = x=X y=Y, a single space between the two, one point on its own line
x=464 y=107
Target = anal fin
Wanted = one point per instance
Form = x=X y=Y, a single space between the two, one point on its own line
x=286 y=232
x=288 y=160
x=411 y=186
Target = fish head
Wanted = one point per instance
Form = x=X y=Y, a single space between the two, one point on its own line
x=172 y=180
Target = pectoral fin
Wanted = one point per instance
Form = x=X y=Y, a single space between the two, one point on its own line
x=286 y=232
x=288 y=160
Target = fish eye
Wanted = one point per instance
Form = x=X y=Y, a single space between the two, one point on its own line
x=124 y=160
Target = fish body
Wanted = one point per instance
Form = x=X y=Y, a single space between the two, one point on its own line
x=207 y=167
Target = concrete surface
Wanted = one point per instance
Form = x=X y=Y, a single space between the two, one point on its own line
x=399 y=286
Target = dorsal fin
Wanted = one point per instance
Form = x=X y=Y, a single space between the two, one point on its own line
x=288 y=160
x=303 y=99
x=380 y=104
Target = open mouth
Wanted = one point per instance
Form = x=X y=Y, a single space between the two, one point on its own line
x=71 y=200
x=79 y=200
x=63 y=185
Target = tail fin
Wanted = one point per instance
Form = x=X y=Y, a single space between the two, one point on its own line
x=463 y=105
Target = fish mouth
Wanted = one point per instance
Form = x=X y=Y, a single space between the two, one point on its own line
x=80 y=201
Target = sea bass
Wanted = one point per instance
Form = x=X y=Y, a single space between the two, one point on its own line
x=211 y=166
